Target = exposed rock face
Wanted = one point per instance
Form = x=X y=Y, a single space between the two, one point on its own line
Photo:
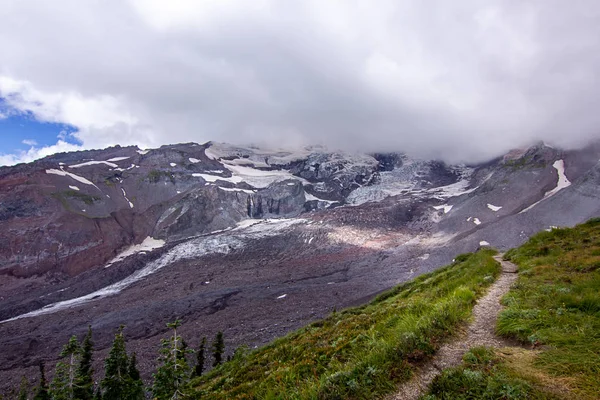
x=241 y=227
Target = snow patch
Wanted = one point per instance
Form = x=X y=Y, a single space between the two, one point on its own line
x=237 y=190
x=259 y=178
x=562 y=183
x=85 y=164
x=214 y=178
x=282 y=296
x=173 y=164
x=476 y=221
x=118 y=159
x=147 y=245
x=493 y=207
x=78 y=178
x=445 y=207
x=125 y=196
x=194 y=160
x=74 y=187
x=484 y=243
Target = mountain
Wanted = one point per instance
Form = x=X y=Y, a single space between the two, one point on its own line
x=249 y=241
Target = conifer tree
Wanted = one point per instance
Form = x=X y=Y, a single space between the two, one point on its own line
x=137 y=389
x=134 y=373
x=173 y=370
x=63 y=384
x=218 y=347
x=117 y=383
x=41 y=392
x=200 y=358
x=23 y=389
x=84 y=383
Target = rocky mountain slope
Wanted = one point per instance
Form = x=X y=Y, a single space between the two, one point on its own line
x=249 y=241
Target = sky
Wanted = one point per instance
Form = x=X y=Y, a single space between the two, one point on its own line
x=462 y=81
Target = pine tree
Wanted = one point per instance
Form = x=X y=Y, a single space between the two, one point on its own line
x=98 y=394
x=218 y=347
x=84 y=383
x=117 y=383
x=41 y=392
x=173 y=370
x=137 y=389
x=200 y=358
x=23 y=389
x=132 y=369
x=63 y=384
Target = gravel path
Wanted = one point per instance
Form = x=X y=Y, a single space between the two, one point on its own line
x=479 y=333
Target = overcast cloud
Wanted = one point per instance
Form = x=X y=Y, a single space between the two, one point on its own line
x=462 y=80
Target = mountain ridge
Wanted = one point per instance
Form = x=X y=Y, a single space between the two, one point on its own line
x=327 y=229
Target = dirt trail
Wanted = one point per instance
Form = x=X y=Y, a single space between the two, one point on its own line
x=480 y=332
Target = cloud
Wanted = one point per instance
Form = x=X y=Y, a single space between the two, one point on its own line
x=463 y=80
x=29 y=142
x=35 y=153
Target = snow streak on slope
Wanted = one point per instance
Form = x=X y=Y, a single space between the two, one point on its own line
x=85 y=164
x=562 y=183
x=223 y=243
x=78 y=178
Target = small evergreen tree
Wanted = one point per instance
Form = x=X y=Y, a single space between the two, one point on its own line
x=23 y=389
x=84 y=383
x=137 y=389
x=200 y=358
x=98 y=394
x=63 y=384
x=173 y=370
x=134 y=373
x=41 y=392
x=117 y=383
x=218 y=347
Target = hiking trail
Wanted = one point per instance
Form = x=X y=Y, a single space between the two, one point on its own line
x=480 y=332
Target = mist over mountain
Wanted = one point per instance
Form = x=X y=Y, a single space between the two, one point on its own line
x=461 y=82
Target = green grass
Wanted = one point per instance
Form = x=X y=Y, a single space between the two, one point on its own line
x=74 y=194
x=554 y=310
x=361 y=352
x=555 y=304
x=524 y=162
x=484 y=374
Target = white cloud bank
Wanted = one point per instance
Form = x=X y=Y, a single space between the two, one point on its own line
x=460 y=80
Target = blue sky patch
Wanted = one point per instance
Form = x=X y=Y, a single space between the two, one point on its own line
x=22 y=126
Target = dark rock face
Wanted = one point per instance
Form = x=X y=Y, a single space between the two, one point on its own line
x=243 y=227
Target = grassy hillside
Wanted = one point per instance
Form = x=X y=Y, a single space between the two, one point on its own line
x=554 y=310
x=360 y=352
